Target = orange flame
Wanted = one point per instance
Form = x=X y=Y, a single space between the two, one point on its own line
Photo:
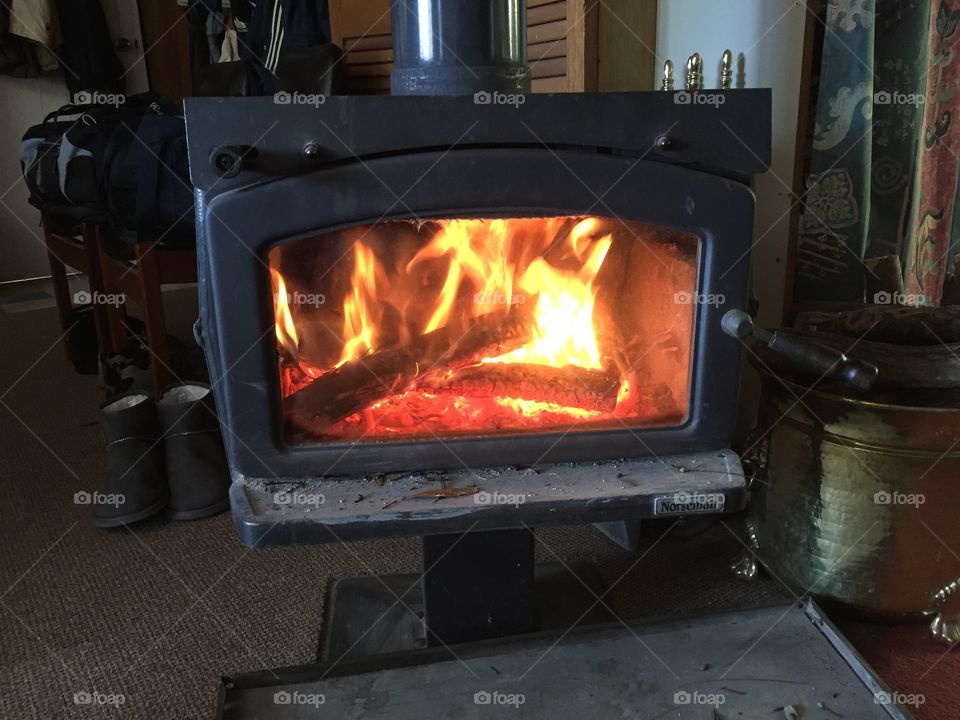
x=359 y=316
x=479 y=255
x=285 y=328
x=564 y=332
x=484 y=257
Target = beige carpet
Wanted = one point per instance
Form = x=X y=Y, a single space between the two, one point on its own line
x=158 y=613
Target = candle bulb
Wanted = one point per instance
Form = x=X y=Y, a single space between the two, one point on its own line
x=726 y=70
x=691 y=77
x=668 y=83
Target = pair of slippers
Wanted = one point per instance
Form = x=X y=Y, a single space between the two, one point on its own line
x=163 y=455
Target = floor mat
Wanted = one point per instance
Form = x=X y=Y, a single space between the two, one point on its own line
x=26 y=300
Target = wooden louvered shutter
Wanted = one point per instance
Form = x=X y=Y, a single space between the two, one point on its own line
x=573 y=45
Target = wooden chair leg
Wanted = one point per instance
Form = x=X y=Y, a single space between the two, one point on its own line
x=61 y=287
x=98 y=292
x=112 y=335
x=148 y=274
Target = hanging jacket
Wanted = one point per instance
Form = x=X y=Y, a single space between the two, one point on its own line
x=286 y=25
x=17 y=55
x=87 y=54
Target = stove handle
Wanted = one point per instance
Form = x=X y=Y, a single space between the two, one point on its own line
x=804 y=353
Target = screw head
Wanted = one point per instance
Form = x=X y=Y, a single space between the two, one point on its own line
x=226 y=161
x=665 y=143
x=312 y=150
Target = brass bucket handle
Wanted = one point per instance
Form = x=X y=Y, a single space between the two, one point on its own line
x=944 y=630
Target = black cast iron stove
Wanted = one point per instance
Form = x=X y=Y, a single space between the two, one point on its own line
x=465 y=307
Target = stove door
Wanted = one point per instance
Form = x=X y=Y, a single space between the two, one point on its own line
x=511 y=306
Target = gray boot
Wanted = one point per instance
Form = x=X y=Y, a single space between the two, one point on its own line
x=196 y=463
x=134 y=485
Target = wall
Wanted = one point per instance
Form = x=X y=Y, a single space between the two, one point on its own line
x=770 y=35
x=24 y=103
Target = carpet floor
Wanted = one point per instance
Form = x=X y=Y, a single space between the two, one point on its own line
x=156 y=613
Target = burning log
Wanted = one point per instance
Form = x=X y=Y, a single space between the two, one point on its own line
x=359 y=383
x=569 y=386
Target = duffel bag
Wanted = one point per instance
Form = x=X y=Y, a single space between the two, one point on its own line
x=147 y=189
x=62 y=158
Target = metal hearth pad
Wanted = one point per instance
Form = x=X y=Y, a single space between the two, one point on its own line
x=270 y=513
x=742 y=664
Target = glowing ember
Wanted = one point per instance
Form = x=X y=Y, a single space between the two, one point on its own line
x=533 y=408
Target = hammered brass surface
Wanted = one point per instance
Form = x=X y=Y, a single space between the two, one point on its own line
x=858 y=501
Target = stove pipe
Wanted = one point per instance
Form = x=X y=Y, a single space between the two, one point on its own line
x=459 y=47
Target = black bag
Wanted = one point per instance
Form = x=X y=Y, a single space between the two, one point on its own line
x=61 y=176
x=147 y=190
x=122 y=166
x=62 y=159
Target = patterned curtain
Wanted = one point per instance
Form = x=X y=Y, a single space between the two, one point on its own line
x=882 y=188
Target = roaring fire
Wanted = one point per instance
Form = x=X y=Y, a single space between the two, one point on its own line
x=462 y=325
x=482 y=258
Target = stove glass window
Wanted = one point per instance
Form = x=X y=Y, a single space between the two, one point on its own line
x=428 y=329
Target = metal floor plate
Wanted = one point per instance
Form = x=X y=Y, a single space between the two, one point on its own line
x=744 y=664
x=357 y=508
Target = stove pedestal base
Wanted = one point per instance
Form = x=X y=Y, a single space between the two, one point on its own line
x=385 y=614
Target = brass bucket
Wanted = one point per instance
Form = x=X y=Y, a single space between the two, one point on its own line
x=858 y=502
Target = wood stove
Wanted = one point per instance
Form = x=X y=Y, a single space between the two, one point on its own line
x=477 y=278
x=398 y=284
x=466 y=308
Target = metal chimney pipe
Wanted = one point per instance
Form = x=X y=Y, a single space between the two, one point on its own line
x=459 y=47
